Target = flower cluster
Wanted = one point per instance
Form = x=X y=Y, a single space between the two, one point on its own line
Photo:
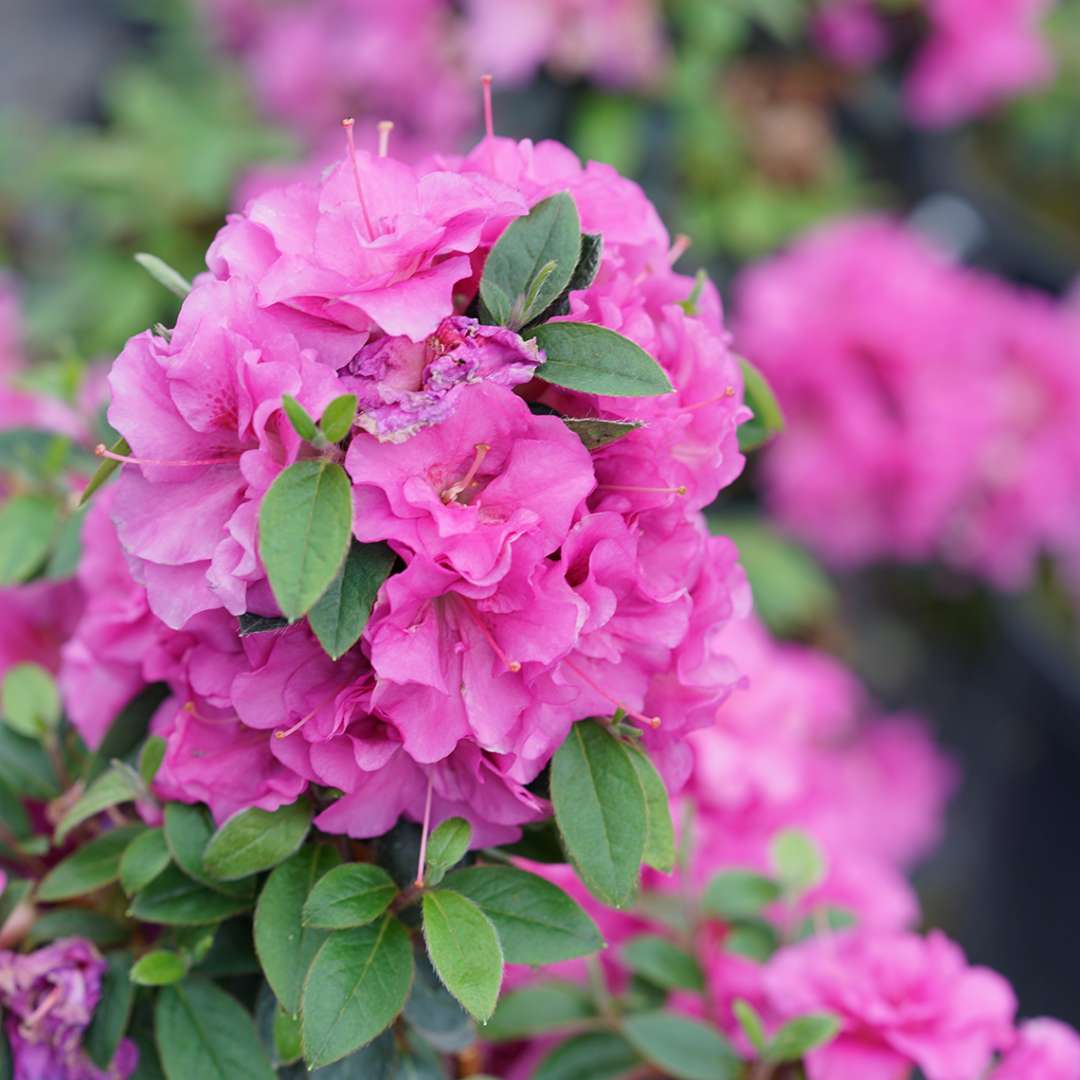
x=977 y=54
x=791 y=753
x=49 y=997
x=932 y=411
x=537 y=582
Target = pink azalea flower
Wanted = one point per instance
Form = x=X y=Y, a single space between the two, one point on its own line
x=901 y=1000
x=49 y=997
x=851 y=32
x=471 y=493
x=1044 y=1050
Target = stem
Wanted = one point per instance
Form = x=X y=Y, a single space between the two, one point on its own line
x=599 y=989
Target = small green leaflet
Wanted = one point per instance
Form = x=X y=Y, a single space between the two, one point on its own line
x=164 y=274
x=768 y=419
x=342 y=612
x=28 y=524
x=596 y=360
x=105 y=470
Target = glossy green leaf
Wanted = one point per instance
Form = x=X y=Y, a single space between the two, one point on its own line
x=356 y=986
x=159 y=967
x=13 y=813
x=90 y=867
x=30 y=700
x=435 y=1013
x=660 y=834
x=658 y=960
x=337 y=418
x=151 y=758
x=28 y=524
x=349 y=896
x=301 y=420
x=145 y=857
x=751 y=1023
x=464 y=949
x=305 y=526
x=532 y=262
x=203 y=1033
x=597 y=1055
x=77 y=922
x=596 y=360
x=256 y=840
x=285 y=946
x=768 y=419
x=537 y=1010
x=287 y=1042
x=797 y=861
x=682 y=1048
x=536 y=921
x=119 y=785
x=174 y=899
x=595 y=433
x=756 y=939
x=601 y=812
x=188 y=830
x=341 y=613
x=25 y=766
x=113 y=1011
x=799 y=1036
x=260 y=624
x=738 y=894
x=447 y=846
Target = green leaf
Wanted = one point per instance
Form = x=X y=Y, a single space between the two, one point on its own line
x=595 y=433
x=738 y=894
x=119 y=785
x=662 y=963
x=151 y=758
x=464 y=949
x=596 y=360
x=598 y=1055
x=337 y=418
x=202 y=1033
x=305 y=525
x=447 y=846
x=349 y=896
x=88 y=868
x=660 y=834
x=532 y=262
x=107 y=467
x=188 y=830
x=25 y=766
x=690 y=304
x=536 y=921
x=145 y=858
x=797 y=861
x=435 y=1013
x=356 y=986
x=30 y=700
x=15 y=891
x=285 y=946
x=127 y=730
x=287 y=1044
x=159 y=968
x=682 y=1048
x=755 y=939
x=537 y=1010
x=13 y=813
x=799 y=1036
x=341 y=613
x=77 y=922
x=259 y=624
x=113 y=1011
x=256 y=840
x=173 y=899
x=28 y=524
x=163 y=274
x=67 y=551
x=302 y=423
x=768 y=419
x=751 y=1023
x=601 y=811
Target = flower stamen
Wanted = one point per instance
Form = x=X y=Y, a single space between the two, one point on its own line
x=101 y=450
x=350 y=141
x=729 y=392
x=680 y=490
x=679 y=248
x=451 y=493
x=385 y=127
x=650 y=721
x=489 y=637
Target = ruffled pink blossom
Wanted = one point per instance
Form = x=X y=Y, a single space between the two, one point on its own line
x=851 y=32
x=49 y=997
x=1044 y=1050
x=902 y=1001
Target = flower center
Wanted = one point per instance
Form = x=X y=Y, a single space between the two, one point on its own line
x=450 y=494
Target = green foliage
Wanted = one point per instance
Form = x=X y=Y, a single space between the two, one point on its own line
x=305 y=525
x=159 y=968
x=89 y=867
x=120 y=784
x=797 y=861
x=799 y=1036
x=348 y=896
x=596 y=360
x=256 y=840
x=30 y=700
x=682 y=1048
x=596 y=1055
x=532 y=262
x=536 y=1010
x=174 y=899
x=164 y=274
x=768 y=420
x=25 y=766
x=660 y=832
x=446 y=847
x=464 y=949
x=596 y=433
x=601 y=811
x=338 y=417
x=737 y=894
x=341 y=613
x=301 y=420
x=28 y=525
x=356 y=986
x=536 y=921
x=658 y=960
x=113 y=1013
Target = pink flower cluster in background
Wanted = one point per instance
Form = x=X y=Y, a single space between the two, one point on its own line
x=932 y=411
x=977 y=53
x=540 y=583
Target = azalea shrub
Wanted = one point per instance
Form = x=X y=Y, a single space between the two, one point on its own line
x=378 y=701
